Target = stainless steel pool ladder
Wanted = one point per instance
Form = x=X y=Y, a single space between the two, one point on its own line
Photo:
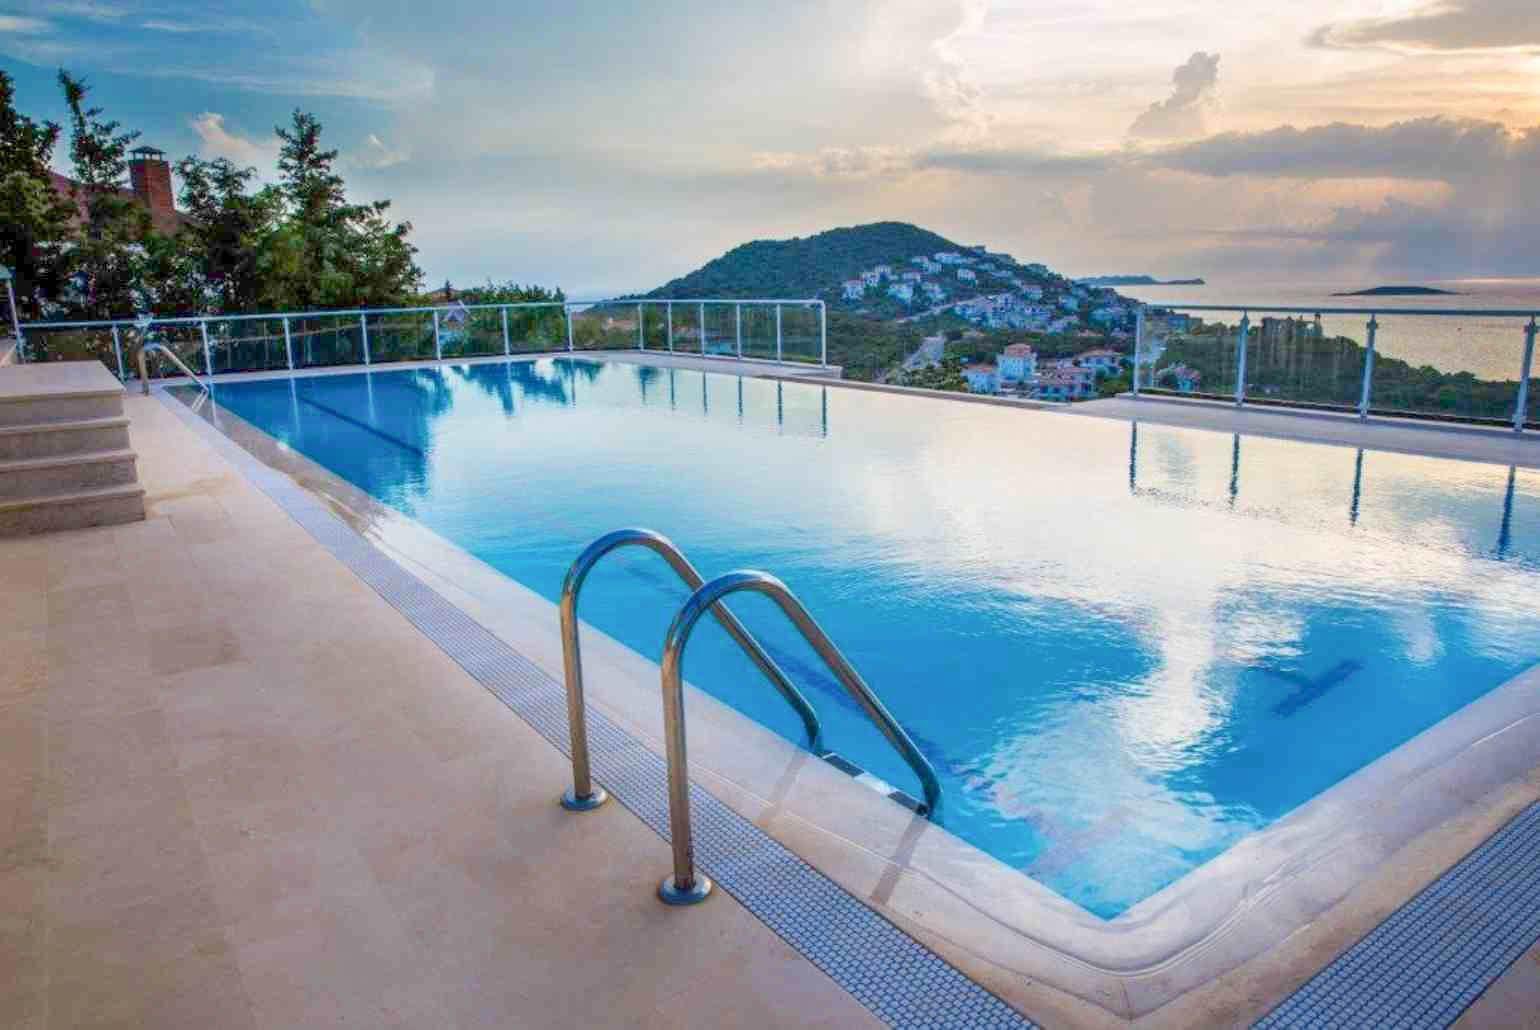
x=160 y=348
x=685 y=886
x=584 y=794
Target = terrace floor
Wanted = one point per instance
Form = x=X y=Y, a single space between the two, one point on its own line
x=238 y=788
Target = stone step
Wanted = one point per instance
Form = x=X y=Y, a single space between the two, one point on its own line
x=63 y=391
x=47 y=439
x=108 y=506
x=66 y=474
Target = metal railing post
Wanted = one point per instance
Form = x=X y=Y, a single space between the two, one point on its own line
x=1138 y=345
x=208 y=352
x=1240 y=358
x=702 y=313
x=288 y=344
x=738 y=329
x=641 y=329
x=778 y=345
x=1520 y=408
x=363 y=333
x=566 y=310
x=438 y=342
x=668 y=312
x=507 y=347
x=1364 y=392
x=823 y=332
x=117 y=348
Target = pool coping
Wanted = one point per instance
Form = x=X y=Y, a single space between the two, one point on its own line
x=1231 y=909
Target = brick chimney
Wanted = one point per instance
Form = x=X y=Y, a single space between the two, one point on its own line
x=150 y=176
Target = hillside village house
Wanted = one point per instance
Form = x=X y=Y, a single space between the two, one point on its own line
x=1099 y=360
x=1017 y=363
x=854 y=289
x=1066 y=383
x=903 y=291
x=967 y=275
x=982 y=378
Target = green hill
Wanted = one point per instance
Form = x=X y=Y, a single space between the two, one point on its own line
x=806 y=266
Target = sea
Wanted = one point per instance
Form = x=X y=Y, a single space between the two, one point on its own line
x=1490 y=347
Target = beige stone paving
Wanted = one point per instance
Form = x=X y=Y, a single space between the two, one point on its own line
x=238 y=789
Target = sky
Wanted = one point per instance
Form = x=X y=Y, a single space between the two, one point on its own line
x=608 y=147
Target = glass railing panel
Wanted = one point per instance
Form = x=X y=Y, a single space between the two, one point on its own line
x=654 y=327
x=1448 y=366
x=759 y=331
x=681 y=317
x=801 y=333
x=1295 y=360
x=247 y=344
x=604 y=327
x=324 y=340
x=471 y=332
x=535 y=329
x=1199 y=360
x=400 y=336
x=76 y=345
x=721 y=330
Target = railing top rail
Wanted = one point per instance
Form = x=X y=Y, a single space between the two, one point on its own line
x=1285 y=309
x=108 y=323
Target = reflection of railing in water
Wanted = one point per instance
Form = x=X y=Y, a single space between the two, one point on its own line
x=1504 y=535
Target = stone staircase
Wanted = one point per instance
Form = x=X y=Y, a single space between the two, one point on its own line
x=65 y=460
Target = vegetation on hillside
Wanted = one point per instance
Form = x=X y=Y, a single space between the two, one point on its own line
x=805 y=266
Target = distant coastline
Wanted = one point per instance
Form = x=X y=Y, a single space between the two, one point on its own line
x=1136 y=280
x=1398 y=291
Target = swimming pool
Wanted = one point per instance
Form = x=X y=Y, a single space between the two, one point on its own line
x=1123 y=649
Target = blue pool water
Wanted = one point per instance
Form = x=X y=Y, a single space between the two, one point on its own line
x=1123 y=648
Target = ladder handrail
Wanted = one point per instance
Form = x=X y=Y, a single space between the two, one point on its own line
x=583 y=794
x=144 y=372
x=684 y=886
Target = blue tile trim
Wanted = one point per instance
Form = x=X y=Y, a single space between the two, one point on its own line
x=1424 y=965
x=901 y=981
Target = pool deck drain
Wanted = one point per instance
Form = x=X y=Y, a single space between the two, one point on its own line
x=1424 y=965
x=897 y=978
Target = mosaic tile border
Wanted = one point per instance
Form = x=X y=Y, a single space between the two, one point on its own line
x=1434 y=956
x=898 y=979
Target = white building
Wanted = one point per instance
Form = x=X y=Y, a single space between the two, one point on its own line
x=933 y=291
x=982 y=378
x=911 y=277
x=884 y=271
x=872 y=278
x=949 y=257
x=1030 y=292
x=1017 y=363
x=967 y=275
x=1099 y=360
x=854 y=289
x=903 y=291
x=1069 y=302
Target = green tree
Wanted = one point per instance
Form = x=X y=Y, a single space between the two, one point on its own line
x=107 y=260
x=35 y=222
x=226 y=228
x=328 y=252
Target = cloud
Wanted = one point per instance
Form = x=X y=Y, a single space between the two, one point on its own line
x=1182 y=113
x=1443 y=25
x=22 y=25
x=1442 y=149
x=215 y=140
x=376 y=154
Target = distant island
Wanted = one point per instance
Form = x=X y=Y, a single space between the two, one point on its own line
x=1398 y=291
x=1136 y=280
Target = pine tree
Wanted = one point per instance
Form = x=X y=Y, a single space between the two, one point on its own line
x=330 y=253
x=227 y=226
x=106 y=262
x=35 y=222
